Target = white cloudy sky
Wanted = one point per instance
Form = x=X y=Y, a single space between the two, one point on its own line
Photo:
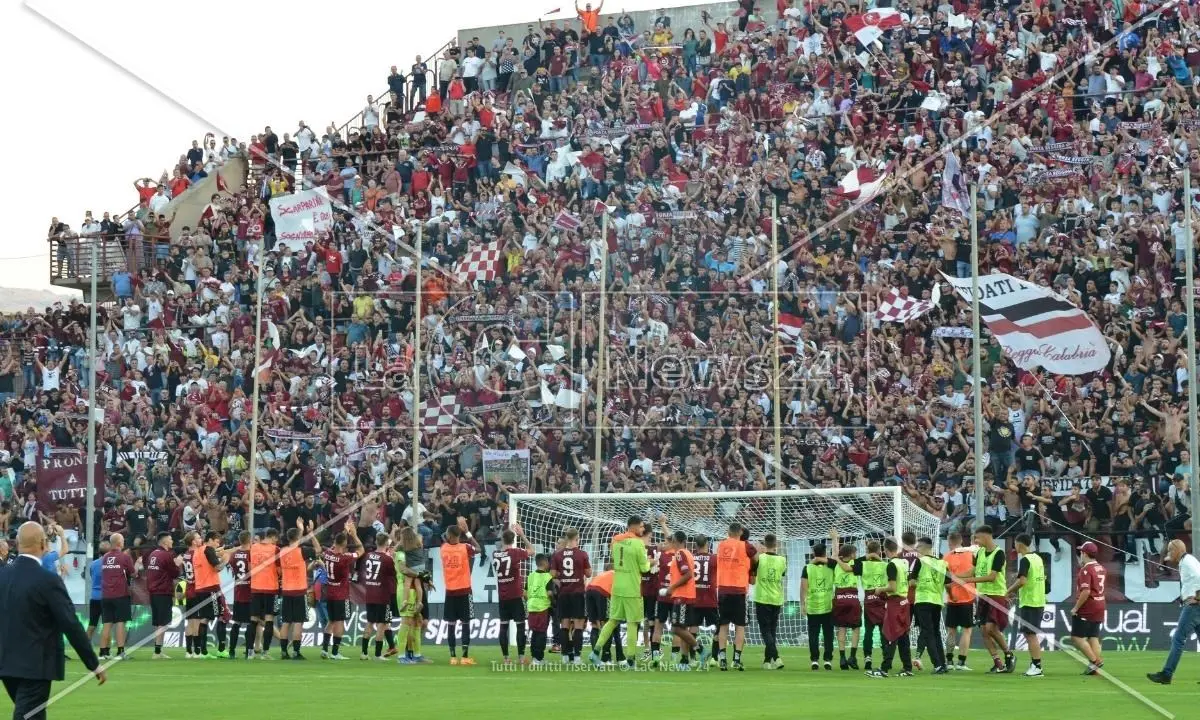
x=99 y=93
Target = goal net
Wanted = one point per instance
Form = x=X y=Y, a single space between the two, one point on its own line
x=799 y=518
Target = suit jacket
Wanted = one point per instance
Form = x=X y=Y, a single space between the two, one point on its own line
x=35 y=614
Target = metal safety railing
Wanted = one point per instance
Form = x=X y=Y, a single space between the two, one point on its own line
x=71 y=256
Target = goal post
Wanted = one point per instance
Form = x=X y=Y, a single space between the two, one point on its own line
x=798 y=518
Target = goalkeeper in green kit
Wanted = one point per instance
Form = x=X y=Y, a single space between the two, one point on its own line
x=630 y=562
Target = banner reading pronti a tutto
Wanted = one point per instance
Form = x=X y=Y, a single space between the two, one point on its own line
x=301 y=217
x=62 y=479
x=1036 y=326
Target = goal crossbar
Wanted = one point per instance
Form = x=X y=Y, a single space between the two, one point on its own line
x=895 y=491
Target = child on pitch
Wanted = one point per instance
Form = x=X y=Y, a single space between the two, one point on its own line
x=537 y=599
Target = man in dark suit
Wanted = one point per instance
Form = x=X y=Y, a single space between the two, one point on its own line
x=35 y=613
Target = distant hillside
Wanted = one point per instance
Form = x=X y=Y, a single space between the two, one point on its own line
x=21 y=299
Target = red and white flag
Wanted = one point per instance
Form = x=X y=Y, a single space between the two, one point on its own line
x=862 y=184
x=789 y=326
x=869 y=26
x=1036 y=326
x=437 y=415
x=599 y=208
x=480 y=264
x=899 y=306
x=566 y=221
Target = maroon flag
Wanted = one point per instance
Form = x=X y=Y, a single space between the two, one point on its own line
x=62 y=478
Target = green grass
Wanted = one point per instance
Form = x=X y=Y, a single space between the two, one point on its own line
x=188 y=689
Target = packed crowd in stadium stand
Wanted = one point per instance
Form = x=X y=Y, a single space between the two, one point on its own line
x=679 y=141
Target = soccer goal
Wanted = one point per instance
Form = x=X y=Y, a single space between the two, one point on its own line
x=799 y=518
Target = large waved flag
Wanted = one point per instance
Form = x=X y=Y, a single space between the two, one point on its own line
x=862 y=184
x=869 y=26
x=482 y=263
x=954 y=189
x=899 y=306
x=1036 y=326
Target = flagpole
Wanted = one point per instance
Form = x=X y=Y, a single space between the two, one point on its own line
x=416 y=387
x=1190 y=290
x=89 y=527
x=602 y=342
x=777 y=401
x=258 y=306
x=976 y=349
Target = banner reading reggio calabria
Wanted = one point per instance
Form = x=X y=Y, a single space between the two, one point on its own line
x=1036 y=326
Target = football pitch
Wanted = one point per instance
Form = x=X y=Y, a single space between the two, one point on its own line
x=357 y=690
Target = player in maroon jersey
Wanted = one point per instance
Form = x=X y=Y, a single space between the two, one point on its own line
x=377 y=572
x=239 y=567
x=663 y=607
x=571 y=568
x=339 y=562
x=649 y=600
x=191 y=630
x=703 y=612
x=909 y=554
x=1088 y=614
x=508 y=564
x=162 y=568
x=897 y=618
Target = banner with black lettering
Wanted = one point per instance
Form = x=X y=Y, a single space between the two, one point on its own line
x=62 y=478
x=1036 y=326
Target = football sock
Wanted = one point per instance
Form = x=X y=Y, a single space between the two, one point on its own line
x=520 y=639
x=402 y=638
x=504 y=640
x=607 y=631
x=1037 y=663
x=539 y=645
x=120 y=650
x=236 y=631
x=962 y=659
x=337 y=645
x=390 y=637
x=296 y=647
x=416 y=641
x=324 y=642
x=593 y=636
x=222 y=636
x=465 y=637
x=378 y=648
x=737 y=655
x=577 y=641
x=364 y=643
x=452 y=642
x=204 y=639
x=158 y=649
x=853 y=653
x=283 y=644
x=187 y=641
x=655 y=647
x=268 y=635
x=251 y=634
